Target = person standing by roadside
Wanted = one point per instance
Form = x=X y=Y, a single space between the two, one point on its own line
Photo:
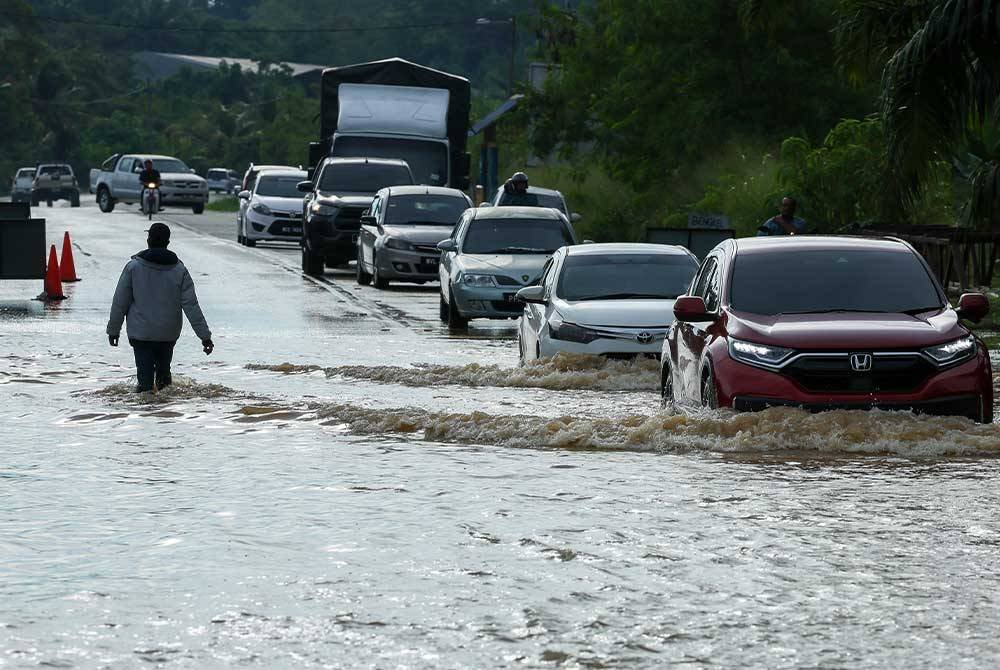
x=153 y=290
x=786 y=223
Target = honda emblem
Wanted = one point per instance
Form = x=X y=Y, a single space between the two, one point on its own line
x=861 y=362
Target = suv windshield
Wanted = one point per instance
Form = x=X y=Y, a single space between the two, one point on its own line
x=169 y=165
x=515 y=236
x=356 y=177
x=428 y=160
x=279 y=187
x=854 y=280
x=442 y=210
x=623 y=276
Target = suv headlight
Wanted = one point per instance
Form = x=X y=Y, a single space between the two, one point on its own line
x=402 y=245
x=322 y=210
x=953 y=352
x=570 y=332
x=479 y=281
x=261 y=208
x=761 y=355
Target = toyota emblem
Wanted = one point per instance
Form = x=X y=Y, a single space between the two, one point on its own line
x=644 y=337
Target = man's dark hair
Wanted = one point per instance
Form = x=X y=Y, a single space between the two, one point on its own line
x=788 y=197
x=159 y=236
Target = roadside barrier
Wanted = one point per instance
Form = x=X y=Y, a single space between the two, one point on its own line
x=53 y=285
x=67 y=268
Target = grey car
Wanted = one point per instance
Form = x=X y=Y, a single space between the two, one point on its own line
x=494 y=252
x=400 y=232
x=20 y=187
x=222 y=180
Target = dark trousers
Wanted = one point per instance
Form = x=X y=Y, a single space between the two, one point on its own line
x=152 y=363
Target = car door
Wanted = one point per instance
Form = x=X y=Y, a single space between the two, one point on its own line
x=450 y=258
x=368 y=234
x=535 y=315
x=690 y=338
x=125 y=181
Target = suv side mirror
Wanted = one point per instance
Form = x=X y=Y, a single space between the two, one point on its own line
x=244 y=195
x=367 y=220
x=533 y=294
x=447 y=245
x=304 y=186
x=691 y=308
x=973 y=307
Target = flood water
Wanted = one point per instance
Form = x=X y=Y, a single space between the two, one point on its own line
x=344 y=484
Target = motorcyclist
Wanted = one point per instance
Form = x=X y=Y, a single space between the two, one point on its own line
x=150 y=175
x=515 y=192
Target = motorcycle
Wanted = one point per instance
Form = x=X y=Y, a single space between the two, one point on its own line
x=150 y=199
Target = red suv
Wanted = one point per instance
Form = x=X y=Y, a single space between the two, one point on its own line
x=825 y=323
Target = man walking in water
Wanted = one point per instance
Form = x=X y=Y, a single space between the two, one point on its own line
x=786 y=223
x=153 y=290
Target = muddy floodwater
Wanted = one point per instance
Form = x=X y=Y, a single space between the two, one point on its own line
x=344 y=484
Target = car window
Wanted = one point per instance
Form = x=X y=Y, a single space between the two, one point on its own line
x=358 y=177
x=811 y=281
x=418 y=209
x=515 y=236
x=376 y=206
x=712 y=289
x=215 y=174
x=547 y=273
x=701 y=283
x=275 y=186
x=109 y=164
x=126 y=164
x=610 y=276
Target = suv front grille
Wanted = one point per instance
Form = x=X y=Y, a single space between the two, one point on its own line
x=349 y=218
x=833 y=374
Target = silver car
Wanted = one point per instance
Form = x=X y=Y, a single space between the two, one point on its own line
x=400 y=232
x=222 y=180
x=540 y=197
x=274 y=208
x=20 y=188
x=494 y=252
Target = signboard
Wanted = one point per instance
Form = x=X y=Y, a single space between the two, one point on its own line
x=22 y=249
x=708 y=221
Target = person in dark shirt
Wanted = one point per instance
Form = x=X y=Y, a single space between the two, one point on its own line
x=786 y=223
x=150 y=175
x=515 y=192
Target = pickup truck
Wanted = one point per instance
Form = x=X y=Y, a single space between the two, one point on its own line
x=119 y=182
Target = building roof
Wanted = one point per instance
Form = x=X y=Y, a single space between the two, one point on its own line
x=160 y=65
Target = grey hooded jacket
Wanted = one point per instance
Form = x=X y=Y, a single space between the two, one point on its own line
x=153 y=290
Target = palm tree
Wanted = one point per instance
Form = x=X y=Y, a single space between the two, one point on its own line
x=940 y=93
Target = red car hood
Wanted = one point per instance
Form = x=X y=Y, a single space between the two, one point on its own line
x=847 y=330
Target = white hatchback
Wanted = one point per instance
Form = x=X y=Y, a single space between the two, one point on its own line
x=604 y=299
x=273 y=208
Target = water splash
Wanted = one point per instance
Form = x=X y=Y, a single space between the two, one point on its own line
x=182 y=388
x=562 y=372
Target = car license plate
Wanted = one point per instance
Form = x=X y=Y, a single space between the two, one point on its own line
x=510 y=297
x=430 y=261
x=292 y=230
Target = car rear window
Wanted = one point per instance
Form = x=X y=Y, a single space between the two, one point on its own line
x=357 y=177
x=54 y=169
x=441 y=210
x=610 y=276
x=851 y=280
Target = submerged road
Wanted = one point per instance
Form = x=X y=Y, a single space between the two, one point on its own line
x=344 y=483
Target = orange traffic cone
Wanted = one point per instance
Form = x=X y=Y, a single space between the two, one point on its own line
x=53 y=286
x=67 y=269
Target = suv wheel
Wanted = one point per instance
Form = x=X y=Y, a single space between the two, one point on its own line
x=199 y=208
x=362 y=277
x=709 y=394
x=378 y=281
x=74 y=201
x=104 y=199
x=442 y=309
x=311 y=265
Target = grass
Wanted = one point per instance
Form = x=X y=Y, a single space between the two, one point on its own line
x=227 y=204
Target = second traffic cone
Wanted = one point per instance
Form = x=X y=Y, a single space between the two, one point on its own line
x=67 y=269
x=53 y=285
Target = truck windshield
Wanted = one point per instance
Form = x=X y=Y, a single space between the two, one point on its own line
x=362 y=177
x=810 y=282
x=515 y=236
x=169 y=165
x=442 y=210
x=606 y=277
x=428 y=160
x=273 y=186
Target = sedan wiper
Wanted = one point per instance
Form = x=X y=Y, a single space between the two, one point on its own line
x=624 y=296
x=522 y=250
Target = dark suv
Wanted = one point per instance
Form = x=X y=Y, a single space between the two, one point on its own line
x=341 y=191
x=824 y=323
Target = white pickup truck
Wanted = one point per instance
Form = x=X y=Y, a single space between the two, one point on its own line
x=119 y=182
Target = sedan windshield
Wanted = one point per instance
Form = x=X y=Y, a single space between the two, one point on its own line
x=362 y=177
x=624 y=276
x=280 y=187
x=169 y=165
x=810 y=282
x=440 y=210
x=516 y=236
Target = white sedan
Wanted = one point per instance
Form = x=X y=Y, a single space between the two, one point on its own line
x=604 y=299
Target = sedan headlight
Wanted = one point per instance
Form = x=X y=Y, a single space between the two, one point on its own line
x=570 y=332
x=953 y=352
x=322 y=210
x=261 y=208
x=402 y=245
x=479 y=281
x=762 y=355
